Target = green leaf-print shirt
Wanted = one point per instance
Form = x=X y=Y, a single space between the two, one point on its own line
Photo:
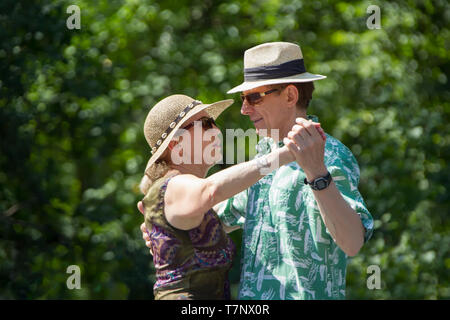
x=287 y=252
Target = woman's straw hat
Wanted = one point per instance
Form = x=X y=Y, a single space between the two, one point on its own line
x=169 y=114
x=274 y=63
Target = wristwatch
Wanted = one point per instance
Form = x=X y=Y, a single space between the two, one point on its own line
x=320 y=183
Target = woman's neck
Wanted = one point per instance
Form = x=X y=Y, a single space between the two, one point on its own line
x=196 y=170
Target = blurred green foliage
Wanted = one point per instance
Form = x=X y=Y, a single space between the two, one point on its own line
x=73 y=103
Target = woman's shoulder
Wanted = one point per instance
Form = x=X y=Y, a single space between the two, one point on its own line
x=155 y=194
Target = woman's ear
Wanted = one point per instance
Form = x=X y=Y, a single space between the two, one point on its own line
x=292 y=95
x=170 y=148
x=172 y=145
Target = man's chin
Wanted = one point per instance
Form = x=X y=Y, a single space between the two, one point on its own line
x=262 y=132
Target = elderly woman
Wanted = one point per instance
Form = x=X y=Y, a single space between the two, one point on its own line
x=191 y=251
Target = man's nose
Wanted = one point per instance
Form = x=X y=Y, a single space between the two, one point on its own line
x=246 y=109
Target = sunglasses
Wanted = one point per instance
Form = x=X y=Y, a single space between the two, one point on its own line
x=255 y=97
x=207 y=123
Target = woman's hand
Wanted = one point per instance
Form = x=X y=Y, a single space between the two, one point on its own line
x=286 y=156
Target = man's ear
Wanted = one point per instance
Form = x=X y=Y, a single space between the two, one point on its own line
x=292 y=95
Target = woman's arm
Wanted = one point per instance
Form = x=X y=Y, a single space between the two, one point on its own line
x=188 y=197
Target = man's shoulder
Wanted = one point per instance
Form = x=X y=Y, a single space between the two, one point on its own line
x=335 y=144
x=337 y=152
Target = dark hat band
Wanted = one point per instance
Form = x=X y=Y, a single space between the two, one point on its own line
x=283 y=70
x=174 y=123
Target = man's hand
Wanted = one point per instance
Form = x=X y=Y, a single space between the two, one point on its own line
x=140 y=206
x=306 y=141
x=145 y=234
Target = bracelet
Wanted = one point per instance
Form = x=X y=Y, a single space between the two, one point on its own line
x=262 y=163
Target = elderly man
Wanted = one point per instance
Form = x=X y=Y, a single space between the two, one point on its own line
x=300 y=221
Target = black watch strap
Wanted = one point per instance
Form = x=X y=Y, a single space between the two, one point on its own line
x=320 y=183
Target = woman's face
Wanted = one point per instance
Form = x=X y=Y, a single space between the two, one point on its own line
x=198 y=142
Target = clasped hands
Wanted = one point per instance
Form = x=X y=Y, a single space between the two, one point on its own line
x=306 y=143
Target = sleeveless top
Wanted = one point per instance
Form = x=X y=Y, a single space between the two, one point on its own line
x=190 y=264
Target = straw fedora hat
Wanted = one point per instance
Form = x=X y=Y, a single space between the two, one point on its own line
x=169 y=114
x=274 y=63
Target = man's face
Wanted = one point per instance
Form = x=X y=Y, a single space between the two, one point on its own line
x=267 y=113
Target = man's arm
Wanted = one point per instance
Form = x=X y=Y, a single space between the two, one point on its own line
x=343 y=223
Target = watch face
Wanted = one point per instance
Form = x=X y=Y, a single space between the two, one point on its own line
x=321 y=183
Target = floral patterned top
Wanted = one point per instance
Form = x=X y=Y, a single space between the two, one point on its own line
x=191 y=264
x=287 y=252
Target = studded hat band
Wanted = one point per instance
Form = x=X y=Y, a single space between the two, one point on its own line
x=174 y=123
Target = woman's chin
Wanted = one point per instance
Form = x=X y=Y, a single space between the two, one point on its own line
x=214 y=158
x=218 y=156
